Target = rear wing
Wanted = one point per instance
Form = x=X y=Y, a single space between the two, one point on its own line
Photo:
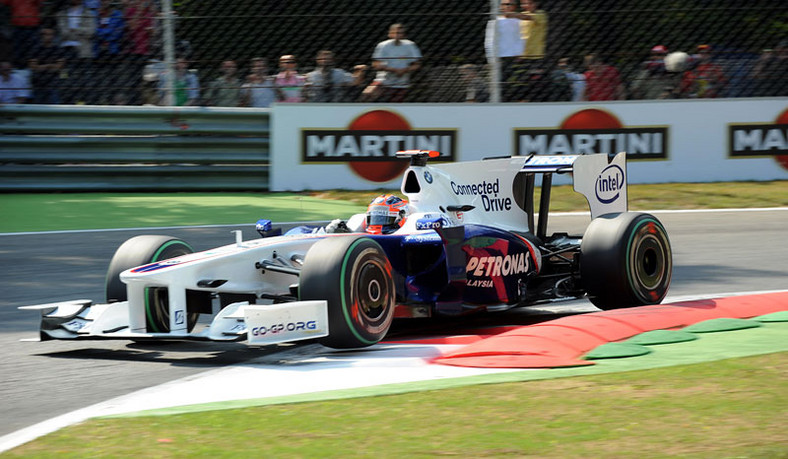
x=603 y=181
x=501 y=191
x=550 y=164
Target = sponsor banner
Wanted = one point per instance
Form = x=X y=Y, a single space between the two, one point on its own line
x=279 y=323
x=342 y=145
x=758 y=140
x=639 y=143
x=323 y=146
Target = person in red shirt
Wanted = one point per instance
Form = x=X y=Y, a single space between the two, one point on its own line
x=26 y=18
x=705 y=80
x=603 y=82
x=139 y=16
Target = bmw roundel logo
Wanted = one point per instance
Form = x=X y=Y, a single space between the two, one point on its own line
x=428 y=176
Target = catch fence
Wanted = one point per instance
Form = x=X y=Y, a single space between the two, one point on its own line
x=177 y=52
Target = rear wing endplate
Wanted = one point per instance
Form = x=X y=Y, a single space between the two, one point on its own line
x=603 y=181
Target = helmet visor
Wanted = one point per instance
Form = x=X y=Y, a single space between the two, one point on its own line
x=380 y=215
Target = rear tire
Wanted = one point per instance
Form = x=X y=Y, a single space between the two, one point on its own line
x=353 y=275
x=138 y=251
x=625 y=261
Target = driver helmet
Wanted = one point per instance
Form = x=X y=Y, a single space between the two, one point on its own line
x=386 y=214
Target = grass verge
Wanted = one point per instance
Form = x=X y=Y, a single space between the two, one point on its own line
x=727 y=408
x=73 y=211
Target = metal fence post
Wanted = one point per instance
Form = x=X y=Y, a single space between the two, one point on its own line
x=168 y=45
x=495 y=68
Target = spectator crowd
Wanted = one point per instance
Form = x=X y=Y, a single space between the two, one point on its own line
x=109 y=52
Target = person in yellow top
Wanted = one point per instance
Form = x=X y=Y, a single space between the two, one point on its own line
x=530 y=73
x=533 y=29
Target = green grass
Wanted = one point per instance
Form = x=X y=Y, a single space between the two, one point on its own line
x=44 y=212
x=727 y=408
x=70 y=211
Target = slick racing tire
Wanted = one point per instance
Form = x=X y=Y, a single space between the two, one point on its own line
x=353 y=275
x=625 y=260
x=141 y=250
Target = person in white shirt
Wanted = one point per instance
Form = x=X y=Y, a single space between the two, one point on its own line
x=510 y=44
x=577 y=79
x=77 y=25
x=394 y=59
x=14 y=88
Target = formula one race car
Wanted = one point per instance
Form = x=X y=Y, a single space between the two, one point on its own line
x=469 y=239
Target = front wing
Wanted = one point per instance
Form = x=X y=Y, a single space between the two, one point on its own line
x=258 y=324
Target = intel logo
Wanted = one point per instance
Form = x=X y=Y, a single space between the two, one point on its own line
x=609 y=184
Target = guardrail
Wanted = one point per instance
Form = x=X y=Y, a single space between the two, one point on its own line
x=119 y=148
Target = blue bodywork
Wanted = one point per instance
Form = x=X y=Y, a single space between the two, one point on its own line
x=460 y=269
x=456 y=269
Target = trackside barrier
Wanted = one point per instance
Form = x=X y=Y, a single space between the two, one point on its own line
x=122 y=148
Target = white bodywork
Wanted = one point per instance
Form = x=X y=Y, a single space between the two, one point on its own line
x=488 y=187
x=234 y=263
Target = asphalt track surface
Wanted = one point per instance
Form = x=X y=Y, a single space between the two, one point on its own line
x=715 y=252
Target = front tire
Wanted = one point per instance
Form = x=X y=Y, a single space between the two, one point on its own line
x=354 y=276
x=138 y=251
x=626 y=260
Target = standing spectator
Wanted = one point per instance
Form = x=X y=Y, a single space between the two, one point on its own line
x=7 y=49
x=186 y=88
x=25 y=18
x=475 y=88
x=108 y=72
x=705 y=80
x=533 y=30
x=225 y=91
x=530 y=78
x=511 y=44
x=259 y=90
x=770 y=72
x=577 y=80
x=13 y=87
x=138 y=35
x=603 y=82
x=394 y=59
x=762 y=74
x=109 y=30
x=77 y=26
x=653 y=81
x=329 y=84
x=47 y=65
x=139 y=15
x=289 y=84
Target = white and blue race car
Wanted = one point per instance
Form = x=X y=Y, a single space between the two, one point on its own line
x=472 y=240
